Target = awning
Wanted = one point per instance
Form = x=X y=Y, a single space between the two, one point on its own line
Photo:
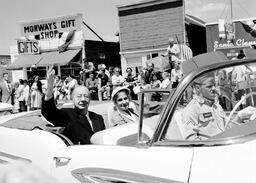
x=49 y=58
x=24 y=61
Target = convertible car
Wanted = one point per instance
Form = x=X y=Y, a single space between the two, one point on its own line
x=155 y=149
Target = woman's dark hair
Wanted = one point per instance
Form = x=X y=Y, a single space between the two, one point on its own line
x=25 y=81
x=21 y=81
x=128 y=68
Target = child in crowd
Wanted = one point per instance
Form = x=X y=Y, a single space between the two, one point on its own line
x=176 y=74
x=166 y=80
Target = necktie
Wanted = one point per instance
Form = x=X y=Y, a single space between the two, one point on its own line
x=9 y=88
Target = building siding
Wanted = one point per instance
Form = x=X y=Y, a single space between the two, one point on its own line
x=145 y=30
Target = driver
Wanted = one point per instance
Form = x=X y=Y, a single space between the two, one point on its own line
x=203 y=117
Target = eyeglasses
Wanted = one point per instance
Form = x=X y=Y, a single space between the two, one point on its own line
x=121 y=99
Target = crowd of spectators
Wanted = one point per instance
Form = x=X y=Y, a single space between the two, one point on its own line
x=102 y=81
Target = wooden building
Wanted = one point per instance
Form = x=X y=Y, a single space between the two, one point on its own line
x=146 y=26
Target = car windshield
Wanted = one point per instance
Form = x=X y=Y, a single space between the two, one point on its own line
x=217 y=106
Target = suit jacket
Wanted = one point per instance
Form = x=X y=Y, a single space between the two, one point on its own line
x=77 y=126
x=5 y=93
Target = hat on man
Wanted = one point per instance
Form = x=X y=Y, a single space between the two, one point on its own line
x=118 y=89
x=201 y=79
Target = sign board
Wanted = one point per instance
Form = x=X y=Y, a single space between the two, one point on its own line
x=51 y=27
x=28 y=46
x=51 y=33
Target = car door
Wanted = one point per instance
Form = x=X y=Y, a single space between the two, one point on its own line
x=101 y=163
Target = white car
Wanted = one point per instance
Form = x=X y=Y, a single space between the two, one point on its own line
x=152 y=150
x=6 y=108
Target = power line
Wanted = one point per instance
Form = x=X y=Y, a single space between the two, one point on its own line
x=223 y=9
x=244 y=9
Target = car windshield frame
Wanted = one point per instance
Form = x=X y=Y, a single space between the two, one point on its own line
x=172 y=103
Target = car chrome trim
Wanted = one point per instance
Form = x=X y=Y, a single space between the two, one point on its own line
x=168 y=111
x=10 y=157
x=104 y=175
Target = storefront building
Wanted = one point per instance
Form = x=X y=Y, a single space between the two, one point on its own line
x=230 y=41
x=45 y=42
x=146 y=26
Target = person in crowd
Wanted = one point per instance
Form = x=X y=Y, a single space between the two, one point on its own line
x=148 y=74
x=176 y=75
x=69 y=86
x=130 y=82
x=36 y=94
x=17 y=92
x=111 y=71
x=173 y=52
x=140 y=86
x=92 y=84
x=141 y=74
x=80 y=124
x=103 y=68
x=6 y=89
x=166 y=80
x=103 y=86
x=117 y=79
x=155 y=83
x=239 y=75
x=203 y=117
x=89 y=67
x=57 y=85
x=21 y=96
x=26 y=95
x=124 y=110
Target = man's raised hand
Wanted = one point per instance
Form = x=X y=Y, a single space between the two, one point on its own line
x=50 y=82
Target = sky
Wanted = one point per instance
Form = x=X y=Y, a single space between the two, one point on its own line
x=102 y=15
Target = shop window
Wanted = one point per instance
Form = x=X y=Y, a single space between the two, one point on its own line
x=152 y=55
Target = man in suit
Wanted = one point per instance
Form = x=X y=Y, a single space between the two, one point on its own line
x=80 y=124
x=5 y=90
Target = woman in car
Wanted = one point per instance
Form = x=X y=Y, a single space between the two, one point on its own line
x=124 y=110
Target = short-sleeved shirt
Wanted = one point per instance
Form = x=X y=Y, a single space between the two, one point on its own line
x=201 y=121
x=176 y=50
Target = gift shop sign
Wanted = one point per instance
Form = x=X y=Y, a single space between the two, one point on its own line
x=51 y=27
x=28 y=46
x=229 y=43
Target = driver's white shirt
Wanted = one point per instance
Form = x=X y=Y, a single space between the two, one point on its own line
x=201 y=121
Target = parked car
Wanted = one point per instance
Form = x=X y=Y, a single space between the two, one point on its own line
x=152 y=150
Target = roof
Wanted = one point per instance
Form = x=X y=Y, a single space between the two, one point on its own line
x=127 y=4
x=43 y=59
x=193 y=20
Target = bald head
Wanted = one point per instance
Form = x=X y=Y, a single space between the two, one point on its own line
x=81 y=97
x=79 y=89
